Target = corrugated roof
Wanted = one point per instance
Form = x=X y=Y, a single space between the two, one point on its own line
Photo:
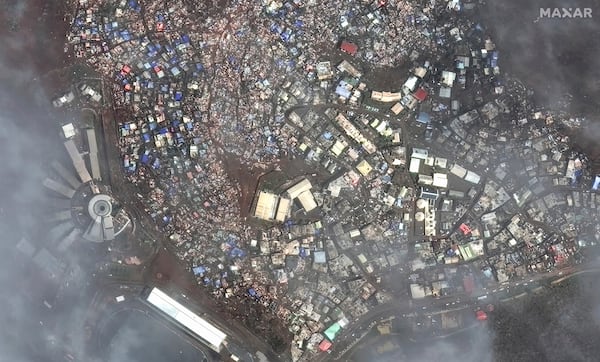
x=299 y=188
x=266 y=206
x=332 y=331
x=307 y=201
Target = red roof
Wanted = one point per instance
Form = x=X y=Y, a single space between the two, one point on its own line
x=325 y=345
x=421 y=94
x=125 y=70
x=348 y=47
x=465 y=229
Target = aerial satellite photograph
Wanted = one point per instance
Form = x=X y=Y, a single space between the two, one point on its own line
x=300 y=180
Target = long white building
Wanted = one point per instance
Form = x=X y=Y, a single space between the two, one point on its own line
x=200 y=328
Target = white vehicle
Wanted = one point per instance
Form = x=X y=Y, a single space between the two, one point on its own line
x=65 y=99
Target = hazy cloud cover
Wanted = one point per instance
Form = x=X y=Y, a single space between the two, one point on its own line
x=554 y=56
x=28 y=140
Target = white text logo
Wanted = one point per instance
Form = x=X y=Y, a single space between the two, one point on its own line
x=565 y=13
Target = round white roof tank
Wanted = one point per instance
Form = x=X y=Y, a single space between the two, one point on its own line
x=420 y=216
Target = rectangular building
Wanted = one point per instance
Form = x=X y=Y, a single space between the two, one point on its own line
x=93 y=154
x=199 y=327
x=440 y=180
x=472 y=177
x=283 y=209
x=420 y=153
x=415 y=165
x=78 y=162
x=266 y=206
x=429 y=193
x=354 y=133
x=345 y=66
x=307 y=201
x=459 y=171
x=295 y=191
x=397 y=108
x=425 y=180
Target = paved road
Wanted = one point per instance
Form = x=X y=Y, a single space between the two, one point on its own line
x=453 y=303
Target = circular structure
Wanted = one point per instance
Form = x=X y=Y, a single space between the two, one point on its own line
x=421 y=203
x=100 y=206
x=419 y=216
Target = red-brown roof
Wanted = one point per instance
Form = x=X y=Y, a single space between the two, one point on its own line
x=465 y=228
x=421 y=94
x=325 y=345
x=348 y=47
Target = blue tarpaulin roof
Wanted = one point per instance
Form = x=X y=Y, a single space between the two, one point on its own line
x=343 y=92
x=199 y=270
x=302 y=252
x=275 y=28
x=423 y=117
x=237 y=252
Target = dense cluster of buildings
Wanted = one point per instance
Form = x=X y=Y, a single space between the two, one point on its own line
x=399 y=181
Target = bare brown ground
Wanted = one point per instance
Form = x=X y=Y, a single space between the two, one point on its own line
x=32 y=34
x=246 y=178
